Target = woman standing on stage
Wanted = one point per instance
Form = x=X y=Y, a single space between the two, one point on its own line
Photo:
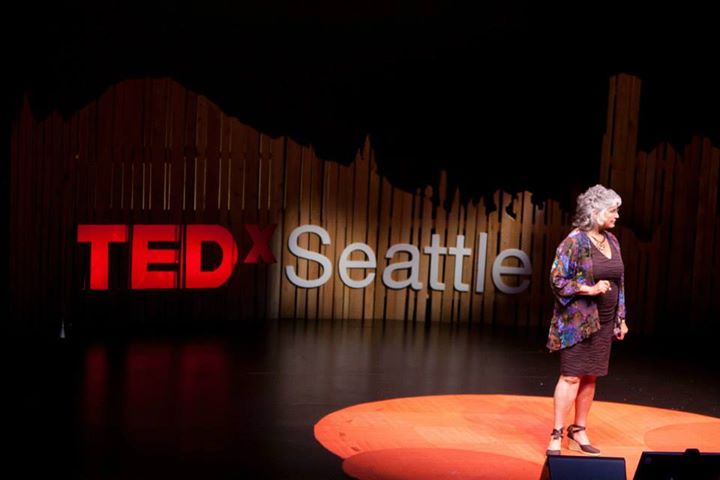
x=587 y=278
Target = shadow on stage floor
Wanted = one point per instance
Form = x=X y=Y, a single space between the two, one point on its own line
x=227 y=406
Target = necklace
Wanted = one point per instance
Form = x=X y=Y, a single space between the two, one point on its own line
x=599 y=243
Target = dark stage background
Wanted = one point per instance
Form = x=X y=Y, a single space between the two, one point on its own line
x=500 y=96
x=522 y=87
x=510 y=77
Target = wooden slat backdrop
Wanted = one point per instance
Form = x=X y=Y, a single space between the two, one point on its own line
x=150 y=151
x=670 y=243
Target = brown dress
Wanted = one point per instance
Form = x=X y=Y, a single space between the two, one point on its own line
x=592 y=355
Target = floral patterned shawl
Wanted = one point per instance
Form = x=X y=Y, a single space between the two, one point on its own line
x=575 y=317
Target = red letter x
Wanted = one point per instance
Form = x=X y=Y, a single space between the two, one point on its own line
x=261 y=247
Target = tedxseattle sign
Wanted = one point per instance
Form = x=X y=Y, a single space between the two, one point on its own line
x=183 y=263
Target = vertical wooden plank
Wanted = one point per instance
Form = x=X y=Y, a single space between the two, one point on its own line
x=170 y=143
x=679 y=237
x=264 y=193
x=144 y=149
x=702 y=250
x=109 y=134
x=668 y=167
x=43 y=168
x=291 y=216
x=503 y=302
x=406 y=294
x=493 y=244
x=190 y=158
x=540 y=275
x=33 y=227
x=463 y=261
x=184 y=111
x=237 y=161
x=277 y=160
x=425 y=232
x=691 y=191
x=127 y=134
x=515 y=221
x=304 y=241
x=549 y=246
x=555 y=233
x=713 y=212
x=68 y=221
x=158 y=138
x=372 y=230
x=177 y=104
x=382 y=247
x=646 y=220
x=393 y=311
x=252 y=180
x=329 y=222
x=225 y=173
x=638 y=191
x=112 y=131
x=525 y=320
x=415 y=232
x=658 y=215
x=51 y=165
x=436 y=297
x=315 y=210
x=361 y=167
x=124 y=116
x=651 y=221
x=80 y=281
x=468 y=230
x=449 y=295
x=200 y=166
x=650 y=306
x=211 y=204
x=344 y=232
x=259 y=270
x=478 y=291
x=197 y=198
x=154 y=147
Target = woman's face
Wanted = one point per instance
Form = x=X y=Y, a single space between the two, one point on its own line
x=607 y=218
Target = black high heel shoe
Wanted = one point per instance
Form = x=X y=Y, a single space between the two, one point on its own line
x=556 y=435
x=577 y=446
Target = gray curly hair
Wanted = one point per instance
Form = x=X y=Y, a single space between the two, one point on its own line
x=593 y=202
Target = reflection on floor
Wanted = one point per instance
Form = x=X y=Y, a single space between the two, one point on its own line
x=233 y=405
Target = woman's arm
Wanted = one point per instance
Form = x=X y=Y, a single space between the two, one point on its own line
x=564 y=278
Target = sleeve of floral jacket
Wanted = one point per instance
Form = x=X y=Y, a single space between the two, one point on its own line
x=569 y=269
x=575 y=317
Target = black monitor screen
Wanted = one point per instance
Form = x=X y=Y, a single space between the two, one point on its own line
x=689 y=465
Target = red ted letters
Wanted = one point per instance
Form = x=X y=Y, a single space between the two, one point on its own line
x=188 y=258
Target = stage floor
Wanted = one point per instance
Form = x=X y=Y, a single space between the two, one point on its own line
x=494 y=436
x=249 y=404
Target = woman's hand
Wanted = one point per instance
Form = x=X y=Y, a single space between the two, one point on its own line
x=600 y=287
x=623 y=330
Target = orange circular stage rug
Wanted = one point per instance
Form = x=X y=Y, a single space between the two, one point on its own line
x=494 y=436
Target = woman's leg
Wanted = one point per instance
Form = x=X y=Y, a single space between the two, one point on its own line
x=566 y=392
x=585 y=395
